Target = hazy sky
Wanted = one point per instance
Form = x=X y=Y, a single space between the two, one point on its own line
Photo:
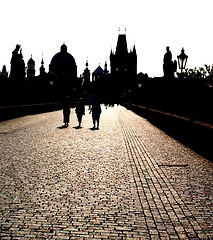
x=89 y=28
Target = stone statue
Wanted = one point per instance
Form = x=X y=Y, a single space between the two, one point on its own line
x=17 y=64
x=169 y=67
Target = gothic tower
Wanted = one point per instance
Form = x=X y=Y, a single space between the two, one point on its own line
x=123 y=66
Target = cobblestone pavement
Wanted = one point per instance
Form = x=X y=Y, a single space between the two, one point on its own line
x=128 y=180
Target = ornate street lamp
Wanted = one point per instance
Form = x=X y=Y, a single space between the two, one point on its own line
x=139 y=85
x=182 y=59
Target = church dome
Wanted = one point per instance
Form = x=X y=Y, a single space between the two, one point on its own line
x=63 y=63
x=31 y=61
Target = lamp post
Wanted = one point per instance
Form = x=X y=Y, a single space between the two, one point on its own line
x=139 y=91
x=139 y=85
x=182 y=59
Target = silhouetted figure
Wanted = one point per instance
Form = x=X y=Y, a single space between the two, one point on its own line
x=167 y=56
x=17 y=64
x=168 y=66
x=80 y=111
x=96 y=112
x=66 y=112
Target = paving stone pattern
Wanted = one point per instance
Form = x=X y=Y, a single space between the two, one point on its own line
x=127 y=180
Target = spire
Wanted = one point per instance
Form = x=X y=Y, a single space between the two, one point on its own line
x=42 y=61
x=105 y=65
x=134 y=49
x=87 y=63
x=106 y=72
x=42 y=69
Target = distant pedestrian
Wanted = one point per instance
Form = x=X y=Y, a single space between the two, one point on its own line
x=66 y=111
x=80 y=111
x=96 y=112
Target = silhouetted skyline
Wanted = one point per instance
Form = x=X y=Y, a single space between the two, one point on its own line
x=90 y=30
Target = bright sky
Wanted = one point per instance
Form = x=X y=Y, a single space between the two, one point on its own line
x=89 y=28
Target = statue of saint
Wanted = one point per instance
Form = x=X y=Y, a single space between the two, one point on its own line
x=168 y=65
x=17 y=63
x=167 y=56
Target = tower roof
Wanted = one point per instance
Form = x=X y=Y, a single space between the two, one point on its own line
x=31 y=61
x=121 y=48
x=98 y=71
x=134 y=49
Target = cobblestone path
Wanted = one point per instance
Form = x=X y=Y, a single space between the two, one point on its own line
x=128 y=180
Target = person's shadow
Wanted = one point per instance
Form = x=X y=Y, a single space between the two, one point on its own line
x=77 y=127
x=93 y=128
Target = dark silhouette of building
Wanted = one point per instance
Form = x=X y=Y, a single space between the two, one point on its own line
x=63 y=72
x=31 y=68
x=97 y=80
x=123 y=66
x=101 y=84
x=41 y=90
x=97 y=74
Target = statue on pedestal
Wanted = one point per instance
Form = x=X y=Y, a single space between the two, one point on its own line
x=17 y=64
x=169 y=67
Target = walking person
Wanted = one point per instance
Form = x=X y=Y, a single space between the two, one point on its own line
x=80 y=111
x=66 y=112
x=96 y=112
